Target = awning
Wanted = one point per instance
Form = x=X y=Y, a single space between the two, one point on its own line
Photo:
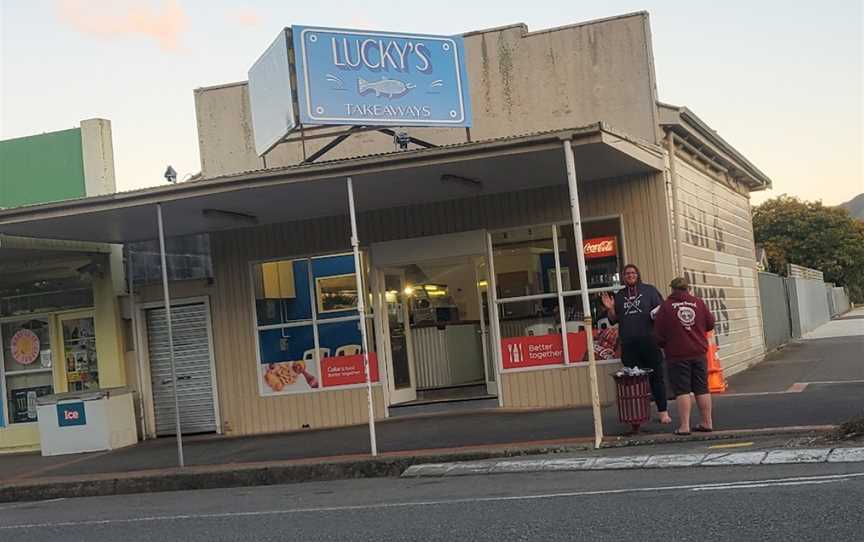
x=318 y=190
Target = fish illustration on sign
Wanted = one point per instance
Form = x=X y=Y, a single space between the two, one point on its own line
x=392 y=88
x=336 y=82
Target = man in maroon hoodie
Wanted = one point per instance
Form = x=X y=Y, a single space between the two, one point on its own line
x=680 y=327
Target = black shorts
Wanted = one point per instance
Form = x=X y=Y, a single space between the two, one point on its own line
x=689 y=376
x=641 y=352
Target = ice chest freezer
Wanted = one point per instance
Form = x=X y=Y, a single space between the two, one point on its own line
x=86 y=421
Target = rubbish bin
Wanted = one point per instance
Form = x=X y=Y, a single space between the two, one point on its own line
x=633 y=390
x=86 y=421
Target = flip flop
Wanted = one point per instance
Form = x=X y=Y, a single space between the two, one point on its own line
x=680 y=433
x=701 y=429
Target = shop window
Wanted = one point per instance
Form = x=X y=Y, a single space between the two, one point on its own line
x=42 y=296
x=335 y=286
x=188 y=258
x=282 y=292
x=308 y=325
x=27 y=366
x=524 y=262
x=602 y=248
x=288 y=361
x=530 y=311
x=79 y=353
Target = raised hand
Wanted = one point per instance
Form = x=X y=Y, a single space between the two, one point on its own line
x=607 y=301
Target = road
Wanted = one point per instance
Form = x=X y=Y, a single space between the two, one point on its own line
x=800 y=502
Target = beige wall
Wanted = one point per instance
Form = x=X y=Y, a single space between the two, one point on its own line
x=109 y=334
x=719 y=258
x=520 y=82
x=557 y=387
x=97 y=152
x=244 y=412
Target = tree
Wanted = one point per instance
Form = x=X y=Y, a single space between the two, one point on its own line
x=813 y=235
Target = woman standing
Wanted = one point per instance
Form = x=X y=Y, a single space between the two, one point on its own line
x=634 y=307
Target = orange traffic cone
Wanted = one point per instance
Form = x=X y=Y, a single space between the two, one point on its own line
x=716 y=382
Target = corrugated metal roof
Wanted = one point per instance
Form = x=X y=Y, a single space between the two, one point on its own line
x=322 y=167
x=687 y=120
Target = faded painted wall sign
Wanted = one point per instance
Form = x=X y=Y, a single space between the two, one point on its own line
x=698 y=232
x=380 y=78
x=714 y=297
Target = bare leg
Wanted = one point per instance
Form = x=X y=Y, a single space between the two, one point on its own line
x=704 y=404
x=683 y=403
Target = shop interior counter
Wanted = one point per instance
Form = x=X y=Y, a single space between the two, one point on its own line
x=447 y=354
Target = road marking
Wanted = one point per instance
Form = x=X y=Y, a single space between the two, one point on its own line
x=30 y=503
x=797 y=387
x=800 y=480
x=767 y=484
x=733 y=445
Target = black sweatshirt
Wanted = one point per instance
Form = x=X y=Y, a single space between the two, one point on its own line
x=633 y=306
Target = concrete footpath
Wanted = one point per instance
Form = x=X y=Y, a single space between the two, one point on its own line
x=809 y=386
x=713 y=456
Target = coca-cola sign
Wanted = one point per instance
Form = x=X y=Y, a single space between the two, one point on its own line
x=600 y=247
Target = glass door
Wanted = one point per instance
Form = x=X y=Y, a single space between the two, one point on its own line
x=397 y=332
x=79 y=352
x=482 y=273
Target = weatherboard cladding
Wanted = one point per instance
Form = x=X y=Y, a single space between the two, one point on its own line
x=245 y=412
x=720 y=261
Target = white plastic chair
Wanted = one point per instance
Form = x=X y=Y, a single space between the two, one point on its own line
x=539 y=329
x=574 y=326
x=309 y=355
x=348 y=350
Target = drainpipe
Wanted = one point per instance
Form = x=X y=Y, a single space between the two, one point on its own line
x=135 y=346
x=676 y=205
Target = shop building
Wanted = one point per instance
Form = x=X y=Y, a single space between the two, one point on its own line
x=469 y=256
x=60 y=325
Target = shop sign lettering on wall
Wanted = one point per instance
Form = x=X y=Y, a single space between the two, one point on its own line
x=599 y=247
x=346 y=370
x=714 y=298
x=699 y=234
x=379 y=78
x=71 y=414
x=539 y=350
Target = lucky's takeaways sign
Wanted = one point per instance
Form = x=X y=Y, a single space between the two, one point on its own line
x=380 y=78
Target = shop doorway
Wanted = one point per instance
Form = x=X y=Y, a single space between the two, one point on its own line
x=435 y=325
x=194 y=369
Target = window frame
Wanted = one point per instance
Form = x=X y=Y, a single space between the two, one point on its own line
x=4 y=374
x=314 y=321
x=555 y=228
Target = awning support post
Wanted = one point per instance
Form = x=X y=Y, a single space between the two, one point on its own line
x=583 y=281
x=361 y=309
x=167 y=299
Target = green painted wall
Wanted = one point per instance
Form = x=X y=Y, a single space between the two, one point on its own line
x=41 y=168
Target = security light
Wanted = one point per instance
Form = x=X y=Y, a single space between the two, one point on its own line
x=171 y=175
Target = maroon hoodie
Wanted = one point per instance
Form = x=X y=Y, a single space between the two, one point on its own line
x=680 y=326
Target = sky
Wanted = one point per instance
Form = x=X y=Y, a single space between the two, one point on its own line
x=782 y=81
